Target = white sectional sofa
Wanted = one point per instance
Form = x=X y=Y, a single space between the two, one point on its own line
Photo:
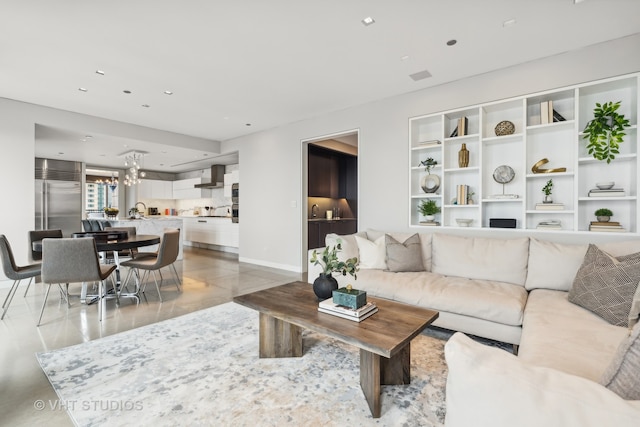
x=516 y=291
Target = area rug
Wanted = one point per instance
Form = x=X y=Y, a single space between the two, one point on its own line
x=202 y=369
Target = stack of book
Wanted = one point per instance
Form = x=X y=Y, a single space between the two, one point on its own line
x=430 y=223
x=549 y=225
x=358 y=315
x=462 y=128
x=462 y=194
x=606 y=226
x=549 y=206
x=429 y=143
x=612 y=192
x=548 y=114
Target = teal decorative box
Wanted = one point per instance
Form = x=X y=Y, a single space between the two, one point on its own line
x=349 y=297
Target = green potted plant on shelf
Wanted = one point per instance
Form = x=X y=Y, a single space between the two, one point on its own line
x=606 y=131
x=547 y=189
x=325 y=283
x=428 y=209
x=429 y=164
x=603 y=214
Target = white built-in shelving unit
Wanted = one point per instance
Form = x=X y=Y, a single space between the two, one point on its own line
x=562 y=143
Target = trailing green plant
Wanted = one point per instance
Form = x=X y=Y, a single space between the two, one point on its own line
x=603 y=212
x=606 y=131
x=330 y=263
x=428 y=207
x=548 y=187
x=428 y=164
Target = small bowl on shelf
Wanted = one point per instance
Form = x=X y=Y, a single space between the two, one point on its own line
x=464 y=222
x=605 y=185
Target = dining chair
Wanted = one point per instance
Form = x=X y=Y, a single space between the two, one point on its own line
x=14 y=272
x=37 y=236
x=71 y=260
x=165 y=257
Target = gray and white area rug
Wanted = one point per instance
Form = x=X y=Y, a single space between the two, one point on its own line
x=203 y=369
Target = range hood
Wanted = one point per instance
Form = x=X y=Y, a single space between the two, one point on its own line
x=217 y=178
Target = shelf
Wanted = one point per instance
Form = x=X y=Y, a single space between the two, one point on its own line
x=468 y=169
x=550 y=126
x=503 y=138
x=591 y=159
x=550 y=211
x=600 y=199
x=426 y=147
x=549 y=175
x=461 y=206
x=518 y=200
x=462 y=138
x=426 y=196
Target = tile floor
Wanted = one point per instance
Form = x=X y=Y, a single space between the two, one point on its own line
x=209 y=278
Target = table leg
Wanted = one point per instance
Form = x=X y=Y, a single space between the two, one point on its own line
x=279 y=338
x=376 y=370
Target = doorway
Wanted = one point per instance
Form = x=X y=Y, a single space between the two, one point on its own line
x=331 y=187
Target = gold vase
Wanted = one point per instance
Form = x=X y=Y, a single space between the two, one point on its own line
x=463 y=156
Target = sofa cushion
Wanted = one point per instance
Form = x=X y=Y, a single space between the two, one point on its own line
x=405 y=256
x=561 y=335
x=634 y=313
x=372 y=254
x=606 y=285
x=483 y=299
x=425 y=243
x=623 y=374
x=487 y=386
x=347 y=242
x=553 y=265
x=501 y=260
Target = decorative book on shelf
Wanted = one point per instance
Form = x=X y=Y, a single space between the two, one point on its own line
x=551 y=224
x=429 y=143
x=462 y=194
x=606 y=226
x=430 y=223
x=462 y=128
x=612 y=192
x=549 y=206
x=329 y=307
x=548 y=114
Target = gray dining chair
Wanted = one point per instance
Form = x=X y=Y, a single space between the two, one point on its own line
x=14 y=272
x=37 y=236
x=73 y=260
x=165 y=257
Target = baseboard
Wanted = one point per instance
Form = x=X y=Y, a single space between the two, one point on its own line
x=293 y=268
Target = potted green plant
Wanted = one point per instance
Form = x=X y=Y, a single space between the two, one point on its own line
x=603 y=214
x=111 y=212
x=606 y=131
x=429 y=164
x=325 y=283
x=428 y=209
x=548 y=187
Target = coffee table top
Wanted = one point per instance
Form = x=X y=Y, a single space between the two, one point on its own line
x=385 y=333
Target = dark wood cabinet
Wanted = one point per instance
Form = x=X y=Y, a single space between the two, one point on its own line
x=318 y=230
x=332 y=174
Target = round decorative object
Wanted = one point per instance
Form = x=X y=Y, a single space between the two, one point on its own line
x=505 y=127
x=503 y=174
x=324 y=285
x=430 y=183
x=605 y=185
x=464 y=222
x=603 y=218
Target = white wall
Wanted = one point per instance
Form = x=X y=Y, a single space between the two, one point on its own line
x=271 y=229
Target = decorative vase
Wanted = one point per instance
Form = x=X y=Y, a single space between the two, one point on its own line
x=324 y=285
x=429 y=218
x=603 y=218
x=547 y=199
x=463 y=156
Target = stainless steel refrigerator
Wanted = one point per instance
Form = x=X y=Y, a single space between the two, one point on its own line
x=58 y=192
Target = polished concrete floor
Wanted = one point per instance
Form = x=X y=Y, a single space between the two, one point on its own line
x=209 y=278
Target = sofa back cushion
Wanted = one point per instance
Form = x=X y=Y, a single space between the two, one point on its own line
x=425 y=243
x=347 y=242
x=372 y=254
x=404 y=256
x=553 y=265
x=502 y=260
x=623 y=374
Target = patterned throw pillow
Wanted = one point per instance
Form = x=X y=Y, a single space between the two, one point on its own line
x=605 y=285
x=406 y=256
x=622 y=376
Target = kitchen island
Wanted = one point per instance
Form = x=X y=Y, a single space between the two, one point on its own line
x=155 y=226
x=209 y=232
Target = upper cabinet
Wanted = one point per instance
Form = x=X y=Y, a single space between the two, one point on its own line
x=185 y=189
x=332 y=174
x=155 y=189
x=492 y=161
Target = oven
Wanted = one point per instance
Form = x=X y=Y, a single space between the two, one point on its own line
x=235 y=192
x=235 y=212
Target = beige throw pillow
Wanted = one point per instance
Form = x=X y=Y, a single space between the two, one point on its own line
x=605 y=285
x=372 y=254
x=406 y=256
x=623 y=374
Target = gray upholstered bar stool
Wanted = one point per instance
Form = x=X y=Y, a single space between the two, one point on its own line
x=14 y=272
x=73 y=260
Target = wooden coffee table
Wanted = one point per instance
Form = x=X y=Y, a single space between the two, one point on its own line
x=383 y=339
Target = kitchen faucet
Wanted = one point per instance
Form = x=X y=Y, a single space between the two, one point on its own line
x=314 y=210
x=144 y=212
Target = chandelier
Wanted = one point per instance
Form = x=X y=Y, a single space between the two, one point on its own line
x=111 y=182
x=133 y=175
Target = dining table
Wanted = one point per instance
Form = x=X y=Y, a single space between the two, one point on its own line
x=112 y=241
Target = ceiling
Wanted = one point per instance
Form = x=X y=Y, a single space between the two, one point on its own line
x=239 y=67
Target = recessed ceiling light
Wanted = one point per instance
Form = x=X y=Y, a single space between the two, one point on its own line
x=248 y=124
x=82 y=89
x=577 y=1
x=368 y=21
x=404 y=58
x=168 y=92
x=452 y=42
x=420 y=75
x=127 y=91
x=100 y=72
x=60 y=153
x=509 y=22
x=146 y=105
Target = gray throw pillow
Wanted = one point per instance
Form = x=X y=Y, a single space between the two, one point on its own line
x=605 y=285
x=406 y=256
x=622 y=376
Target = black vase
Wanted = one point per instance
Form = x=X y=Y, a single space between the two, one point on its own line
x=324 y=286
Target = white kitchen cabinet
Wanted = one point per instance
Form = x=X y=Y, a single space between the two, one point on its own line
x=155 y=189
x=185 y=189
x=533 y=139
x=212 y=231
